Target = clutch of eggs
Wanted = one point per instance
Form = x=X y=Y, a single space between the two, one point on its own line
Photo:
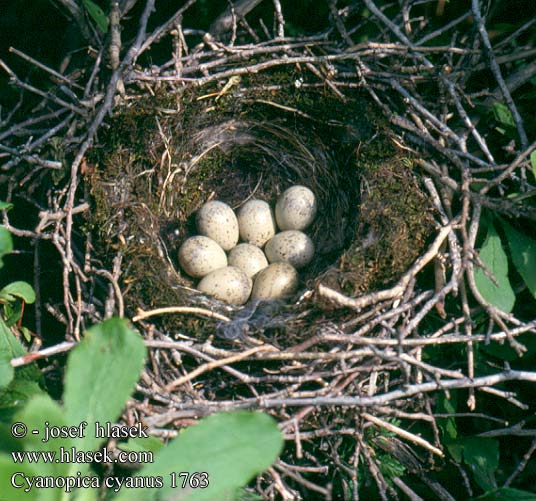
x=246 y=271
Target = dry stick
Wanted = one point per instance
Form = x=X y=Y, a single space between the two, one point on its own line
x=442 y=30
x=469 y=239
x=339 y=24
x=396 y=291
x=298 y=478
x=213 y=365
x=30 y=121
x=239 y=9
x=92 y=130
x=141 y=315
x=522 y=464
x=508 y=171
x=410 y=493
x=356 y=401
x=496 y=70
x=280 y=19
x=468 y=123
x=45 y=68
x=44 y=353
x=402 y=433
x=159 y=32
x=39 y=92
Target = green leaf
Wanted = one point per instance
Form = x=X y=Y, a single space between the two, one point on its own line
x=533 y=162
x=231 y=447
x=39 y=410
x=101 y=374
x=6 y=244
x=21 y=290
x=7 y=469
x=507 y=494
x=494 y=258
x=13 y=312
x=24 y=386
x=6 y=371
x=137 y=444
x=97 y=14
x=9 y=343
x=19 y=391
x=481 y=455
x=5 y=205
x=447 y=406
x=523 y=250
x=39 y=414
x=503 y=115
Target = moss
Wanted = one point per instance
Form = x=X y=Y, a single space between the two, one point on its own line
x=395 y=221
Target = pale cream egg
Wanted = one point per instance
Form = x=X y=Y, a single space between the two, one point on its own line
x=217 y=220
x=295 y=208
x=256 y=222
x=249 y=258
x=276 y=281
x=200 y=255
x=291 y=246
x=228 y=284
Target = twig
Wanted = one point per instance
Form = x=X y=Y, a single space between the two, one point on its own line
x=402 y=433
x=215 y=364
x=496 y=70
x=142 y=315
x=396 y=291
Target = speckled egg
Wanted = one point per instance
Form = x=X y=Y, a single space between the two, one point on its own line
x=274 y=282
x=200 y=255
x=217 y=220
x=228 y=284
x=291 y=246
x=256 y=222
x=296 y=208
x=249 y=258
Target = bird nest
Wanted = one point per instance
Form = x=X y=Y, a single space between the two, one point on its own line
x=167 y=155
x=353 y=365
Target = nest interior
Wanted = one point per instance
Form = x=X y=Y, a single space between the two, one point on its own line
x=162 y=157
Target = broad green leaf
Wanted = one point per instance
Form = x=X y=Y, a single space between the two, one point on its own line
x=21 y=290
x=97 y=14
x=42 y=414
x=6 y=371
x=494 y=258
x=523 y=250
x=9 y=343
x=5 y=205
x=13 y=312
x=507 y=494
x=20 y=390
x=101 y=374
x=533 y=162
x=503 y=115
x=40 y=410
x=151 y=444
x=25 y=384
x=6 y=244
x=447 y=406
x=9 y=470
x=481 y=455
x=231 y=447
